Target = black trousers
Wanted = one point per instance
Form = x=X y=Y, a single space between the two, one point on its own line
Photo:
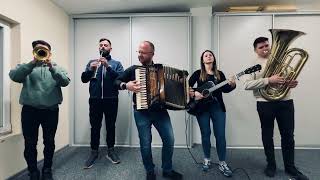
x=98 y=107
x=31 y=119
x=283 y=112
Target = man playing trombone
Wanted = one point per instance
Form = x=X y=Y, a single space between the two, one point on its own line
x=40 y=97
x=101 y=73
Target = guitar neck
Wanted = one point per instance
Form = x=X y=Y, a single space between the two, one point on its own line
x=224 y=82
x=218 y=86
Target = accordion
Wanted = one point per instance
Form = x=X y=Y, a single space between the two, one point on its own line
x=162 y=87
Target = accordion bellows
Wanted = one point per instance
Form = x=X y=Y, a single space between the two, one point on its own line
x=162 y=87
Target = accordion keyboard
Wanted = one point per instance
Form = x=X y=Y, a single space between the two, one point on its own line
x=142 y=99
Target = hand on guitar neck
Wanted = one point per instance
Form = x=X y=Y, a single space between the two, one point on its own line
x=232 y=81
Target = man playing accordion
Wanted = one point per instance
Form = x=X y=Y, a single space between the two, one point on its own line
x=145 y=118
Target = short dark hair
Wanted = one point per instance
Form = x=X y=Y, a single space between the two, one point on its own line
x=259 y=40
x=150 y=44
x=42 y=42
x=105 y=39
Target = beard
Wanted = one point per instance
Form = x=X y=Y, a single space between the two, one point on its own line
x=104 y=53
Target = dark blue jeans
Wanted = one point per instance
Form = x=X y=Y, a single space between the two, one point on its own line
x=161 y=121
x=218 y=118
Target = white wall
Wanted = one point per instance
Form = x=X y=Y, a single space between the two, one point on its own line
x=306 y=94
x=31 y=20
x=201 y=40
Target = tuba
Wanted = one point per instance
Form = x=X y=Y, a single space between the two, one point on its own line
x=41 y=53
x=283 y=61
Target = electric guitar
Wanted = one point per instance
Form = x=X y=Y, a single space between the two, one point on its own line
x=207 y=90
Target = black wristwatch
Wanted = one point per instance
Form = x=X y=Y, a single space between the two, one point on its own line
x=123 y=86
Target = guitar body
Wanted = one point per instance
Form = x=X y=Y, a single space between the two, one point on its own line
x=208 y=92
x=197 y=106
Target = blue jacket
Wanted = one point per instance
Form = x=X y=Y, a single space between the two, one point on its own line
x=103 y=85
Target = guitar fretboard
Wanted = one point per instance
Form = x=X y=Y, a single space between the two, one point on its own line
x=224 y=82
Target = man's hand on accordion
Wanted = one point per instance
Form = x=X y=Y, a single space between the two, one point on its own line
x=133 y=86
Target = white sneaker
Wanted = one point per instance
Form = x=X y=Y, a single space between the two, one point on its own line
x=206 y=164
x=225 y=169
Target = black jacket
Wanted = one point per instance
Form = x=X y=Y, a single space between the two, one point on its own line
x=126 y=76
x=105 y=88
x=195 y=78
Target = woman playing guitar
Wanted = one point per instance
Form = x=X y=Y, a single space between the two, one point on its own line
x=212 y=108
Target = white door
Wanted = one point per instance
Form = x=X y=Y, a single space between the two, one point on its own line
x=170 y=36
x=305 y=95
x=236 y=53
x=87 y=35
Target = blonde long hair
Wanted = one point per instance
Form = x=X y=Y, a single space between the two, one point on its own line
x=203 y=73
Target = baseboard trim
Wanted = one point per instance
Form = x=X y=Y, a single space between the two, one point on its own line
x=24 y=172
x=260 y=147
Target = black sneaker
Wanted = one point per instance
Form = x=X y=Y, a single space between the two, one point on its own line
x=112 y=156
x=293 y=171
x=151 y=176
x=35 y=175
x=46 y=174
x=172 y=175
x=92 y=158
x=270 y=171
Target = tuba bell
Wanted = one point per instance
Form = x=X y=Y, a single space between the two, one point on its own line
x=285 y=62
x=41 y=53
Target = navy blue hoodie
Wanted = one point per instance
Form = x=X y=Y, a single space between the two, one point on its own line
x=105 y=88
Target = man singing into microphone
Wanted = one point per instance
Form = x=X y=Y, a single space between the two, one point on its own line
x=103 y=99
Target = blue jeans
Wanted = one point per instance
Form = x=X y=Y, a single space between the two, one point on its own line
x=218 y=118
x=161 y=121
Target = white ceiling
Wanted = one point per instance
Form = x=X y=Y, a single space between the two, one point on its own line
x=156 y=6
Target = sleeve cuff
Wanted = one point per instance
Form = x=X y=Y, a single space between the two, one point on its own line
x=266 y=81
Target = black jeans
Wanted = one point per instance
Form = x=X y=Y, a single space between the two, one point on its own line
x=31 y=119
x=283 y=112
x=98 y=107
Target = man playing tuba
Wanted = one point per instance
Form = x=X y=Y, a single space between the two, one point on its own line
x=282 y=110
